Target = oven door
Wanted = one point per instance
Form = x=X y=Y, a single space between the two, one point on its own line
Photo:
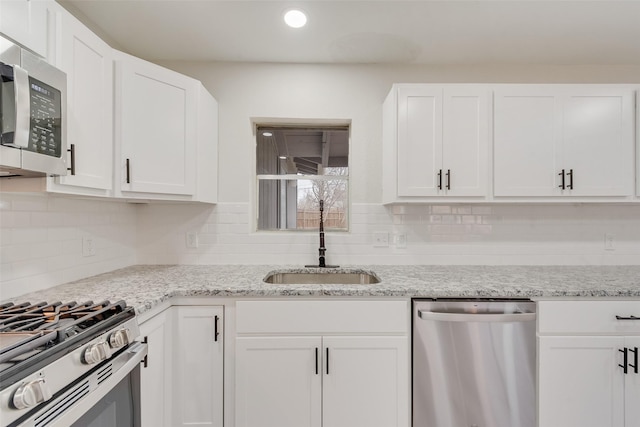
x=108 y=397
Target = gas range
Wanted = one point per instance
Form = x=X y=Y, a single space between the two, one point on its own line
x=53 y=355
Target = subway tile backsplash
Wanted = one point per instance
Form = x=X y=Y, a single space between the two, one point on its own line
x=41 y=240
x=42 y=237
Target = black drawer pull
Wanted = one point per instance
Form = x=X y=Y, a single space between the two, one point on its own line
x=627 y=318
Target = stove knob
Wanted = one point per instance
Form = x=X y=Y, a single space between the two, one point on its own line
x=31 y=394
x=120 y=338
x=96 y=353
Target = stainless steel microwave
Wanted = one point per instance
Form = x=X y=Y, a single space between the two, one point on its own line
x=32 y=114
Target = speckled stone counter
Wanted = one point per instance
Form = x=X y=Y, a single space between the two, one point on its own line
x=146 y=286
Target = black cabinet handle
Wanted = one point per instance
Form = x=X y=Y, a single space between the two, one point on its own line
x=562 y=184
x=128 y=172
x=440 y=179
x=624 y=360
x=635 y=360
x=72 y=152
x=316 y=360
x=448 y=179
x=215 y=328
x=327 y=360
x=570 y=173
x=145 y=361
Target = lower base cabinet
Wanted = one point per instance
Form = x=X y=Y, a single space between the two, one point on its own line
x=155 y=373
x=330 y=381
x=350 y=375
x=198 y=366
x=588 y=356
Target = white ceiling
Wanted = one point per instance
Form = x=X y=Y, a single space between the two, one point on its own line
x=381 y=31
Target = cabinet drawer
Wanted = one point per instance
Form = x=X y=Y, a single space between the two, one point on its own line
x=322 y=317
x=591 y=317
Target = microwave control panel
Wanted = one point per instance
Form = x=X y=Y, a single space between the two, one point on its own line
x=45 y=132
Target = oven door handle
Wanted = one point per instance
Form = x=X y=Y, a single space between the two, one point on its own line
x=476 y=317
x=133 y=356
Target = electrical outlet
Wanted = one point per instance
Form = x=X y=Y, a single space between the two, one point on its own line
x=192 y=239
x=88 y=246
x=609 y=242
x=401 y=241
x=380 y=239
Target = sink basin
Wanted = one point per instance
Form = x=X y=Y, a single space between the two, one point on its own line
x=322 y=277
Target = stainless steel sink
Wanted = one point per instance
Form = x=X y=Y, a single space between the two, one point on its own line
x=322 y=277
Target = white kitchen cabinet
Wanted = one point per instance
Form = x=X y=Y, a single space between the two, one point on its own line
x=156 y=128
x=583 y=378
x=364 y=379
x=322 y=363
x=198 y=366
x=564 y=140
x=26 y=23
x=166 y=134
x=88 y=63
x=156 y=392
x=277 y=383
x=435 y=141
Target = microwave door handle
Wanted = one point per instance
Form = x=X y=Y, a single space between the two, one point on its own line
x=23 y=109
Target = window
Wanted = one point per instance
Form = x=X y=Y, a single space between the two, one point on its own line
x=297 y=167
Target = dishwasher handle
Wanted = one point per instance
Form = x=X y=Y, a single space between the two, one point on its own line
x=477 y=317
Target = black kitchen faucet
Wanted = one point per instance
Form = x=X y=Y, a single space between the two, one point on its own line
x=322 y=250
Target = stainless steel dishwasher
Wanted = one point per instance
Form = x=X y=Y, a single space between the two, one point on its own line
x=474 y=363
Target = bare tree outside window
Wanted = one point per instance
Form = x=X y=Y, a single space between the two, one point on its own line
x=296 y=168
x=333 y=193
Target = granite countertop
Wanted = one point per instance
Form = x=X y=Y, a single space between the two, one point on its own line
x=145 y=286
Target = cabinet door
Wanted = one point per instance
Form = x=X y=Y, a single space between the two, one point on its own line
x=278 y=382
x=88 y=62
x=198 y=366
x=419 y=144
x=527 y=141
x=632 y=387
x=580 y=382
x=598 y=141
x=25 y=21
x=155 y=376
x=465 y=141
x=366 y=382
x=156 y=127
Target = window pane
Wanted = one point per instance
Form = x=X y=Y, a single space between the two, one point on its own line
x=299 y=155
x=293 y=204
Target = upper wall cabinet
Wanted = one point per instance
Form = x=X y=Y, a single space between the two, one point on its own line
x=25 y=21
x=88 y=62
x=564 y=140
x=435 y=142
x=161 y=147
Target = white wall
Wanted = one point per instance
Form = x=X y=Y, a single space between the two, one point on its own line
x=41 y=236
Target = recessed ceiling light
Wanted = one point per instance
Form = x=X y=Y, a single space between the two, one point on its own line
x=295 y=18
x=267 y=134
x=282 y=157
